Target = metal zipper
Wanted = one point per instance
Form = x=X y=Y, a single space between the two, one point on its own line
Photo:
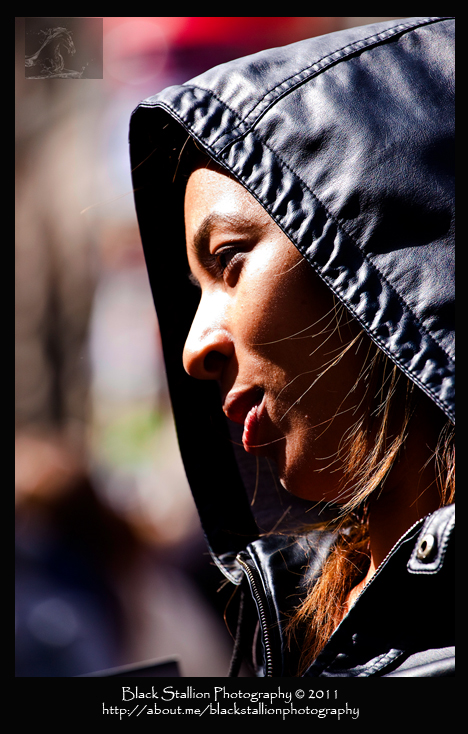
x=262 y=614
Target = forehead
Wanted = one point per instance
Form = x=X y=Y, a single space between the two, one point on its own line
x=213 y=192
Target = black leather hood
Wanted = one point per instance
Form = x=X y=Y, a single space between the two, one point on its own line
x=347 y=141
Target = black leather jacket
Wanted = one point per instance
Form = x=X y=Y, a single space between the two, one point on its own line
x=398 y=627
x=347 y=141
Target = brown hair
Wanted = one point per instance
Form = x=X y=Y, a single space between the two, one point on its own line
x=369 y=451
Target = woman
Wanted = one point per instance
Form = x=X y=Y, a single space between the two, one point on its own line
x=296 y=210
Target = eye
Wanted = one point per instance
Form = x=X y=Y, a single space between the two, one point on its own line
x=227 y=259
x=224 y=258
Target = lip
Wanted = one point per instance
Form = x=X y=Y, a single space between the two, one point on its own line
x=246 y=408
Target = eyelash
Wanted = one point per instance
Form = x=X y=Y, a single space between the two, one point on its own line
x=224 y=269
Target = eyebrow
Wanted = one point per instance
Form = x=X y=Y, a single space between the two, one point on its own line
x=213 y=220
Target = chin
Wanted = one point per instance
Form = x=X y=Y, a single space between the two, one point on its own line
x=298 y=488
x=317 y=490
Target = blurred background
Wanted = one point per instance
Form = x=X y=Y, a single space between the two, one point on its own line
x=111 y=565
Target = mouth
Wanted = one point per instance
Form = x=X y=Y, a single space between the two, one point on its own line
x=247 y=408
x=251 y=429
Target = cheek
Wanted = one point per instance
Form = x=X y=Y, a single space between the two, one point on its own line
x=276 y=304
x=258 y=307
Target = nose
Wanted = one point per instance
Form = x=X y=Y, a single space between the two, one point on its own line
x=209 y=344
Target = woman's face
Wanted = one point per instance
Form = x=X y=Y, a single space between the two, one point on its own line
x=266 y=329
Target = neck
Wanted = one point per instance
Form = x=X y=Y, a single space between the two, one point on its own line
x=387 y=523
x=409 y=494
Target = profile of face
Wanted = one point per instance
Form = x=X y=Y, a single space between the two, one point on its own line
x=266 y=330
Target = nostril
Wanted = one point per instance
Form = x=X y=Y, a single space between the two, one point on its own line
x=214 y=362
